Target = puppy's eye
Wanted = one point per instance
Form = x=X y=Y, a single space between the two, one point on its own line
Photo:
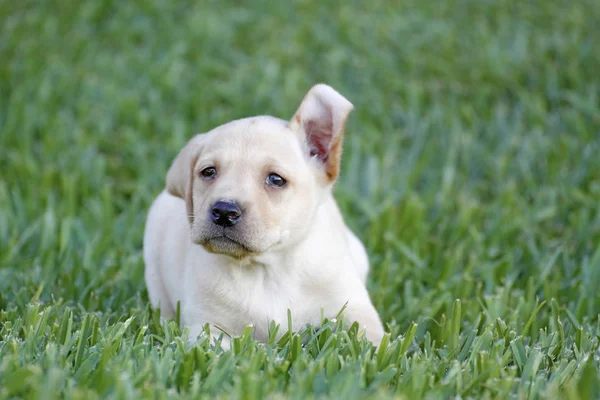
x=275 y=180
x=209 y=172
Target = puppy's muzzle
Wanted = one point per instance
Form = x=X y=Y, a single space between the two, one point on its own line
x=226 y=213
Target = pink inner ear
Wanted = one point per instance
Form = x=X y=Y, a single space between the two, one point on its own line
x=319 y=137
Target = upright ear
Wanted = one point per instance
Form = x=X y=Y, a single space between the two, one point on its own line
x=320 y=122
x=180 y=178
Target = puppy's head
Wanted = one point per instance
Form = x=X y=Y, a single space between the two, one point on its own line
x=254 y=184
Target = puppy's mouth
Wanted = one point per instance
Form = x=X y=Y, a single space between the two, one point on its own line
x=224 y=244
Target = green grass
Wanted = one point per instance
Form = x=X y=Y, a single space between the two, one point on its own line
x=471 y=171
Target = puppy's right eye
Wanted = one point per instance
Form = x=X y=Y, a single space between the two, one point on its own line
x=209 y=172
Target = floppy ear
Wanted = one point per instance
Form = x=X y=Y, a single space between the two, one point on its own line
x=180 y=178
x=320 y=122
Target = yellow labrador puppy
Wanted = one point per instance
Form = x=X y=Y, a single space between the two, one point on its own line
x=247 y=227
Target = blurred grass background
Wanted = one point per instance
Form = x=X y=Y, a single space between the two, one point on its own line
x=471 y=171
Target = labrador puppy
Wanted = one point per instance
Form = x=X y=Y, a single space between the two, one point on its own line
x=247 y=227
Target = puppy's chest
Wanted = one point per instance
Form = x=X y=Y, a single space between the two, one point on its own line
x=256 y=297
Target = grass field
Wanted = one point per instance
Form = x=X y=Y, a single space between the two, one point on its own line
x=471 y=171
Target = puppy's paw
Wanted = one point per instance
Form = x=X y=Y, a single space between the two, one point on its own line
x=225 y=343
x=195 y=331
x=370 y=325
x=374 y=335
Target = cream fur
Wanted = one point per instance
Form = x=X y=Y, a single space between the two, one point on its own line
x=292 y=249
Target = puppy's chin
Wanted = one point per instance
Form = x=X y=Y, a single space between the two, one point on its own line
x=226 y=246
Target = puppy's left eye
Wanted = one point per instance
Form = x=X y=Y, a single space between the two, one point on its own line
x=275 y=180
x=209 y=172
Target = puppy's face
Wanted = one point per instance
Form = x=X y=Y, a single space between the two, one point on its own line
x=253 y=185
x=252 y=189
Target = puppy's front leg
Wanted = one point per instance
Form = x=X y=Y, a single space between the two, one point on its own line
x=365 y=314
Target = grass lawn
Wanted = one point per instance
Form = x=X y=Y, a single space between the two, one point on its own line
x=471 y=171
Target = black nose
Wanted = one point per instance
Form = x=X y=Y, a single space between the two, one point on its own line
x=226 y=213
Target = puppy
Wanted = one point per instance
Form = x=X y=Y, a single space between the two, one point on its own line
x=247 y=227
